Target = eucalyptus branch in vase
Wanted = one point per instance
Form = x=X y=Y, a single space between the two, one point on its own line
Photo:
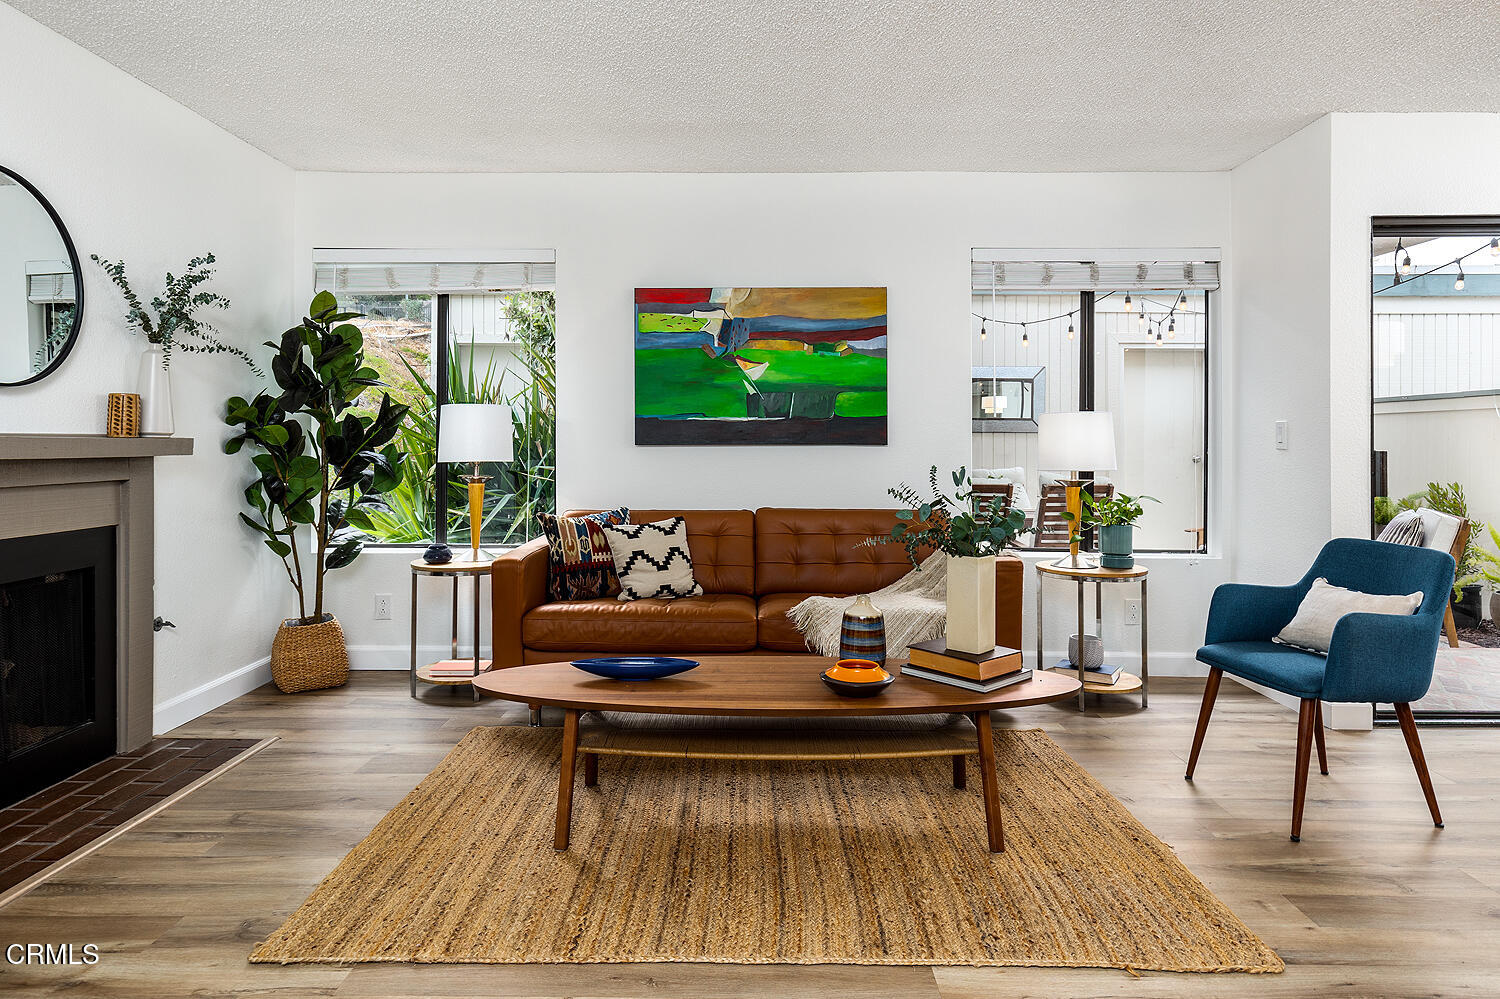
x=171 y=322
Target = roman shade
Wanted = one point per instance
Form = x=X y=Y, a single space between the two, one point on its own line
x=1042 y=276
x=401 y=272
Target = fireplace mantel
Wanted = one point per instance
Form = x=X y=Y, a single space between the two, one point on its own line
x=54 y=483
x=38 y=447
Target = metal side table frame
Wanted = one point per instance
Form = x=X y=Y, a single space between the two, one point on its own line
x=1098 y=576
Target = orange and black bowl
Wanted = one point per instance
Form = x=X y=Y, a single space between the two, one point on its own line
x=856 y=678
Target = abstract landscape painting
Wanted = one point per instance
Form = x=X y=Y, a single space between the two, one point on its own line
x=760 y=366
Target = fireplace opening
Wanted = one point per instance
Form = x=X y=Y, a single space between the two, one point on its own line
x=57 y=658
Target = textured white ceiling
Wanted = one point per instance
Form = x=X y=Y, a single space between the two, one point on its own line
x=778 y=85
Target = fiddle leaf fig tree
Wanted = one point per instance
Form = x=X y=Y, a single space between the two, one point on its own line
x=319 y=463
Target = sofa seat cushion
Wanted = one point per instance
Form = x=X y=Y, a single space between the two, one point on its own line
x=773 y=628
x=1279 y=667
x=712 y=622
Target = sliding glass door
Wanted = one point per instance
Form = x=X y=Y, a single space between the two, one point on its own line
x=1435 y=386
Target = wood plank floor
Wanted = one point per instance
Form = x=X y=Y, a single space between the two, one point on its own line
x=1372 y=902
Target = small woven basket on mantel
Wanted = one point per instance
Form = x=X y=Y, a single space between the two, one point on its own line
x=123 y=418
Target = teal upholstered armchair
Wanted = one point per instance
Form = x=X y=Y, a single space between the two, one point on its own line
x=1372 y=657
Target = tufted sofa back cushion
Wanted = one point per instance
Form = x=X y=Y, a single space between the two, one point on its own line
x=721 y=542
x=818 y=551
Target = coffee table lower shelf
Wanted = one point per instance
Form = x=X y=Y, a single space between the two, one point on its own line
x=956 y=739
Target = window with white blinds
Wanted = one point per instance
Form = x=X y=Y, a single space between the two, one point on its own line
x=54 y=289
x=1122 y=331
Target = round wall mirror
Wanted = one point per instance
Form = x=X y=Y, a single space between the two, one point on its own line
x=41 y=285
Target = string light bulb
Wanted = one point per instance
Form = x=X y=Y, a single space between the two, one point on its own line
x=1158 y=336
x=1127 y=301
x=1458 y=285
x=1070 y=329
x=1404 y=257
x=1172 y=329
x=982 y=331
x=1495 y=247
x=1025 y=337
x=1141 y=319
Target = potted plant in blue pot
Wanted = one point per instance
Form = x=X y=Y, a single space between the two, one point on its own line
x=1115 y=517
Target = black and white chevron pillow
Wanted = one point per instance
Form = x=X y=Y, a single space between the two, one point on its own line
x=652 y=560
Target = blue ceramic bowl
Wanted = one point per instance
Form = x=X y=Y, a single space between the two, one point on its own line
x=635 y=667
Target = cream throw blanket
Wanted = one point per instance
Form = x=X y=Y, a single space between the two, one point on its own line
x=915 y=608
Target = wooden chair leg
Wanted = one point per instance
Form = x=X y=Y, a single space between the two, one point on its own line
x=1318 y=739
x=1305 y=728
x=960 y=771
x=591 y=770
x=1210 y=692
x=1414 y=746
x=1449 y=627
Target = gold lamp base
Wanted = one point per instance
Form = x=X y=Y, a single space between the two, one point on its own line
x=476 y=509
x=1075 y=559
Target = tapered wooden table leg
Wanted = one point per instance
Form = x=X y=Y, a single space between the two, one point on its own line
x=565 y=779
x=960 y=772
x=992 y=821
x=590 y=769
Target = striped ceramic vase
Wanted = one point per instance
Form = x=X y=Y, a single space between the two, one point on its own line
x=863 y=634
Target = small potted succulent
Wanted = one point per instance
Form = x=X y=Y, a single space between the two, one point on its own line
x=1115 y=517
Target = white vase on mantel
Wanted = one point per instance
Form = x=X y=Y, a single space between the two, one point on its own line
x=971 y=604
x=154 y=385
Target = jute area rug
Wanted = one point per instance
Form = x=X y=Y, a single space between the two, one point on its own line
x=874 y=862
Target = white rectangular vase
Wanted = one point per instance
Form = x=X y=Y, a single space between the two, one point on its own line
x=971 y=604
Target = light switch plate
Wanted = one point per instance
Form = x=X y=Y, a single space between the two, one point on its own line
x=1283 y=438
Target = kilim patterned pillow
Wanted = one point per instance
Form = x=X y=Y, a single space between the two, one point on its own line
x=652 y=560
x=579 y=565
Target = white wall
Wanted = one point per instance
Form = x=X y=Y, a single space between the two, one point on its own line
x=136 y=175
x=1279 y=365
x=909 y=232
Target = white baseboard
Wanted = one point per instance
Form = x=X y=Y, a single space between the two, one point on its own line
x=398 y=657
x=204 y=698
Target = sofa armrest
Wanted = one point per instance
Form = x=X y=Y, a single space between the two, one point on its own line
x=1241 y=612
x=1010 y=585
x=518 y=583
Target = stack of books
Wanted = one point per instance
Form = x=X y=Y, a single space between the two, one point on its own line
x=1107 y=674
x=453 y=668
x=982 y=671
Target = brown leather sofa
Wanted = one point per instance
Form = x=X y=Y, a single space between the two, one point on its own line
x=753 y=566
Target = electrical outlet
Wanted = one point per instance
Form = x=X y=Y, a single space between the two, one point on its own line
x=1132 y=613
x=382 y=606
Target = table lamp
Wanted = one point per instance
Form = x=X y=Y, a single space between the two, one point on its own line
x=474 y=432
x=1074 y=443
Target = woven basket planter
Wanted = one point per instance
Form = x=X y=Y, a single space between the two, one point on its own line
x=309 y=656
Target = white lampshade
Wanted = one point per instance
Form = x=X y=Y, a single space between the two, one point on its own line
x=1076 y=442
x=470 y=432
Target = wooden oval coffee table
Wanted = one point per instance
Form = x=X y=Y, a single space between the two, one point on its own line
x=768 y=686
